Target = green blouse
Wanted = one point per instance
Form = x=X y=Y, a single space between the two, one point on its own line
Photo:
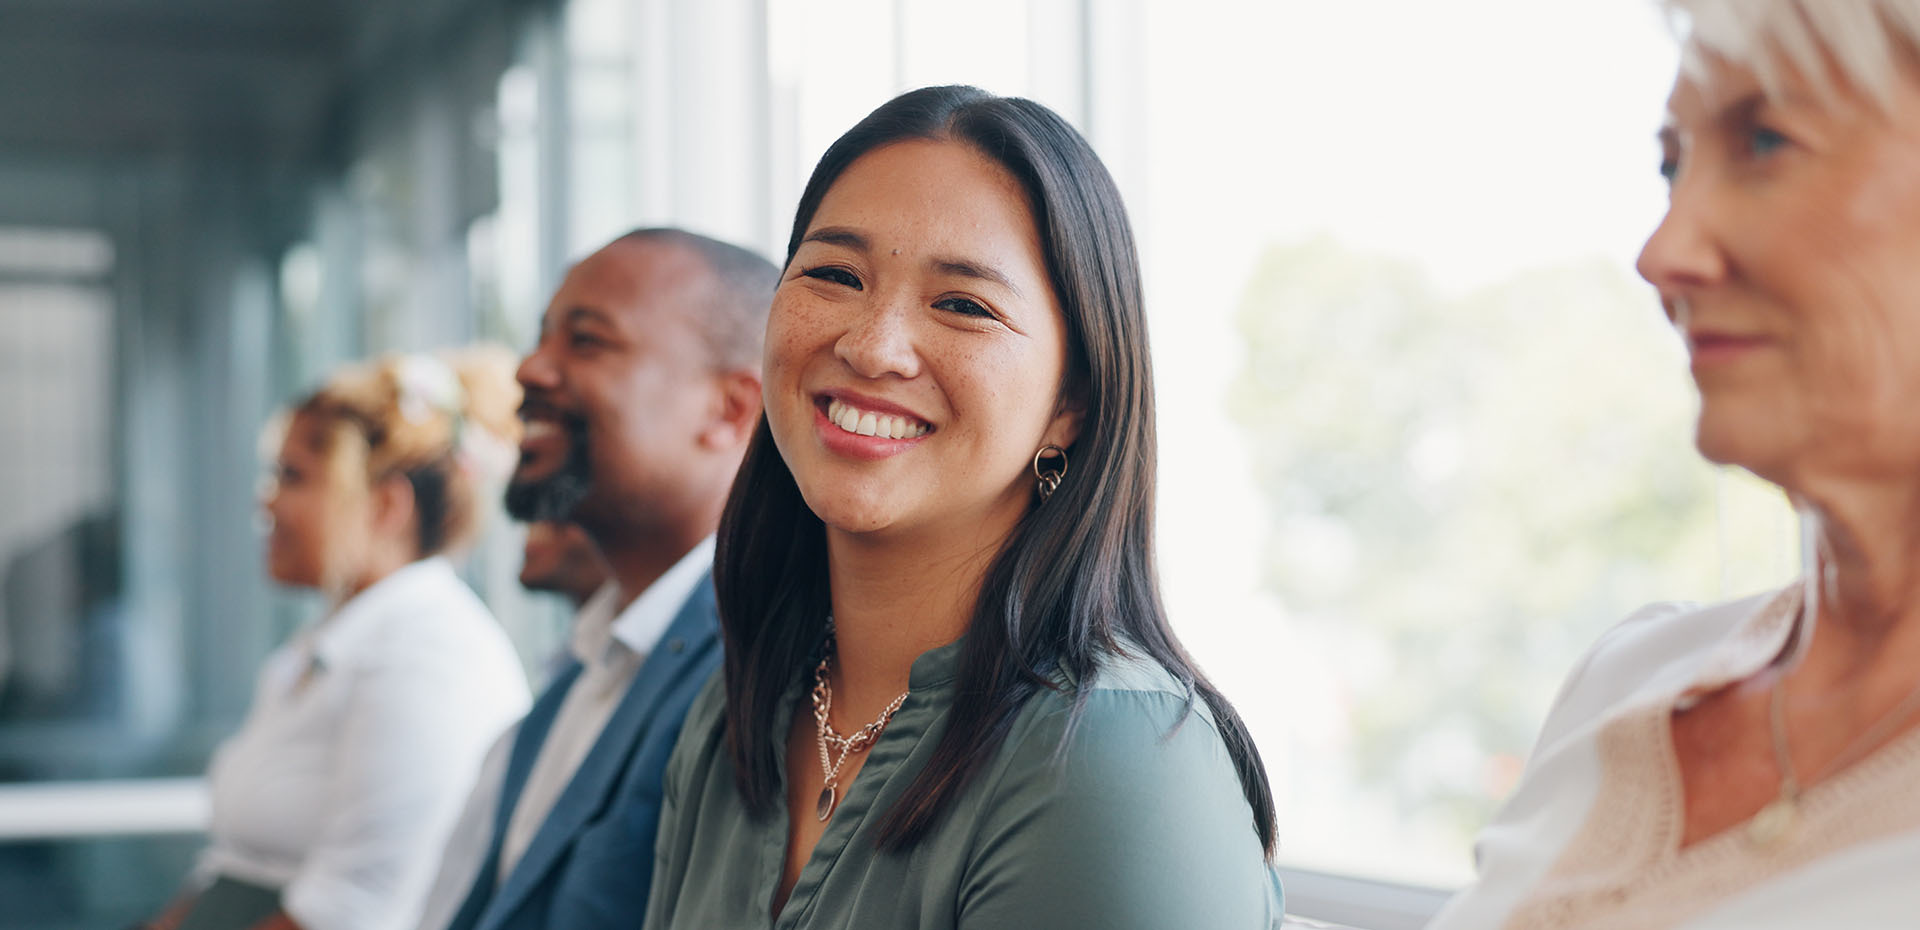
x=1139 y=825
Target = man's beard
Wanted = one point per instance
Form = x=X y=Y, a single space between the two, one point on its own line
x=555 y=497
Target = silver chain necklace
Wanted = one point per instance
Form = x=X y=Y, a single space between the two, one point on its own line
x=834 y=748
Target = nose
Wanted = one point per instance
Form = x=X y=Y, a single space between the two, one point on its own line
x=1684 y=254
x=537 y=372
x=266 y=492
x=879 y=340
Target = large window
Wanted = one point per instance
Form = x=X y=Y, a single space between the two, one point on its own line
x=1424 y=435
x=62 y=636
x=78 y=700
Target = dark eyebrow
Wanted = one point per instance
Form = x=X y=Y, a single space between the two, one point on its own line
x=572 y=316
x=853 y=239
x=967 y=269
x=577 y=313
x=838 y=235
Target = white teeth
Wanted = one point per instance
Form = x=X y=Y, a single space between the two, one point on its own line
x=843 y=416
x=537 y=429
x=854 y=420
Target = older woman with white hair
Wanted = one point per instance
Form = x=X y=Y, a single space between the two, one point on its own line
x=1756 y=764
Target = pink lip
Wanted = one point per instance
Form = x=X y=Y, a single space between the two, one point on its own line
x=1708 y=348
x=854 y=445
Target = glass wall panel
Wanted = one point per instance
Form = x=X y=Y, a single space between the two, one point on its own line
x=1423 y=434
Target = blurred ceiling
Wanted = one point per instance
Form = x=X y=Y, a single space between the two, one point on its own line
x=249 y=77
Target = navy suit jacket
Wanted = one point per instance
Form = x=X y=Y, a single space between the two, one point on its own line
x=590 y=864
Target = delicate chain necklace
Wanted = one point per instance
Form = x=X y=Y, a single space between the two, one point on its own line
x=834 y=748
x=1775 y=821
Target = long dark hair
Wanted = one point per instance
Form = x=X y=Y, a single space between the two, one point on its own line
x=1076 y=577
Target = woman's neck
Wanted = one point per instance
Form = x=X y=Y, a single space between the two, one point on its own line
x=381 y=561
x=894 y=598
x=1868 y=582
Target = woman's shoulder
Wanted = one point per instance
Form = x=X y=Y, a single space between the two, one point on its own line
x=1123 y=682
x=1130 y=720
x=702 y=743
x=1659 y=645
x=431 y=624
x=1132 y=670
x=1106 y=794
x=708 y=712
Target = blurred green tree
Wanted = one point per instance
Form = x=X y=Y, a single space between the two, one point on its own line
x=1468 y=491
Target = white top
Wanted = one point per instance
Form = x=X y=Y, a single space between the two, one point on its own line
x=466 y=849
x=1591 y=836
x=610 y=650
x=365 y=731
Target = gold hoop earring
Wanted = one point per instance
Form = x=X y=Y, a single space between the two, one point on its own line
x=1048 y=480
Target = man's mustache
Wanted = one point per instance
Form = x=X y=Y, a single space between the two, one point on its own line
x=535 y=406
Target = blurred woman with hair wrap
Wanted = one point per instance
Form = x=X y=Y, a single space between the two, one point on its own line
x=368 y=727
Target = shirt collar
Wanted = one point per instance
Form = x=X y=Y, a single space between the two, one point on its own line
x=936 y=666
x=593 y=624
x=1758 y=641
x=340 y=635
x=638 y=628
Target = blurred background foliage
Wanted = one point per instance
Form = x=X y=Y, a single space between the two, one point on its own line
x=1459 y=485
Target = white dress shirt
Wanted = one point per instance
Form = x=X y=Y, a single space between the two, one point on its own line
x=365 y=731
x=472 y=835
x=610 y=651
x=1591 y=837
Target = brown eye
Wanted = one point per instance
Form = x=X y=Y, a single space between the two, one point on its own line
x=962 y=306
x=834 y=274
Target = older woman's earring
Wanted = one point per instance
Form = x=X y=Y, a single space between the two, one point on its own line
x=1049 y=476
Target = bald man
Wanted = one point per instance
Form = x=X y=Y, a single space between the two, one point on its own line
x=640 y=399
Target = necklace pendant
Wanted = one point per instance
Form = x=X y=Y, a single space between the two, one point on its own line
x=1769 y=828
x=823 y=808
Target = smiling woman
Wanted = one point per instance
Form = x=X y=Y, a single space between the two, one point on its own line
x=1025 y=743
x=919 y=299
